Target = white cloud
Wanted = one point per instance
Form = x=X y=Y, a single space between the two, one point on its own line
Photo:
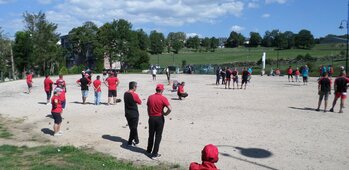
x=237 y=28
x=6 y=1
x=193 y=35
x=275 y=1
x=72 y=13
x=253 y=5
x=266 y=15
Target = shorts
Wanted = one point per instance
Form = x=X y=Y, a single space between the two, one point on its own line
x=236 y=80
x=63 y=104
x=290 y=75
x=305 y=79
x=154 y=75
x=30 y=85
x=342 y=95
x=84 y=93
x=112 y=93
x=228 y=79
x=244 y=81
x=57 y=117
x=323 y=94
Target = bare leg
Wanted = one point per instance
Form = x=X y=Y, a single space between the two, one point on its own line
x=325 y=105
x=109 y=99
x=341 y=106
x=333 y=104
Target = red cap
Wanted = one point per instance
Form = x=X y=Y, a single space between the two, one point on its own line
x=160 y=87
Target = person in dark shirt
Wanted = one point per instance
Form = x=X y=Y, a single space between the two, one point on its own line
x=84 y=82
x=218 y=75
x=228 y=73
x=223 y=75
x=131 y=100
x=324 y=88
x=340 y=87
x=244 y=77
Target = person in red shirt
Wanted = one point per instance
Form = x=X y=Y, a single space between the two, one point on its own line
x=340 y=88
x=62 y=95
x=112 y=82
x=60 y=81
x=290 y=73
x=48 y=88
x=29 y=81
x=131 y=100
x=156 y=104
x=235 y=78
x=209 y=156
x=98 y=91
x=181 y=92
x=297 y=74
x=56 y=111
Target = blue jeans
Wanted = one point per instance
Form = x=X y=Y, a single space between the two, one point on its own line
x=97 y=98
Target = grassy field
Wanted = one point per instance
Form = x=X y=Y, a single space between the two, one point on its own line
x=4 y=133
x=229 y=55
x=66 y=157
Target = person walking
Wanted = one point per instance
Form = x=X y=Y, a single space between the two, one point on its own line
x=324 y=89
x=340 y=88
x=56 y=112
x=48 y=88
x=112 y=82
x=153 y=72
x=244 y=77
x=131 y=100
x=156 y=104
x=84 y=82
x=297 y=73
x=29 y=79
x=168 y=75
x=98 y=90
x=228 y=73
x=218 y=75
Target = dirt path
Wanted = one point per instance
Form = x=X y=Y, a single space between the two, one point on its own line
x=271 y=125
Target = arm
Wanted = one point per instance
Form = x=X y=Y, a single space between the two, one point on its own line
x=78 y=82
x=168 y=111
x=137 y=99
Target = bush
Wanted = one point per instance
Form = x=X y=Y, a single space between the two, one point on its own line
x=76 y=69
x=63 y=71
x=144 y=66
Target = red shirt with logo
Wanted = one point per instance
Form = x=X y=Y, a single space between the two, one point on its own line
x=29 y=78
x=289 y=71
x=112 y=81
x=156 y=104
x=56 y=107
x=48 y=84
x=97 y=85
x=60 y=81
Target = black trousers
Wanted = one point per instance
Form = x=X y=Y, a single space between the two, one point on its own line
x=156 y=126
x=133 y=124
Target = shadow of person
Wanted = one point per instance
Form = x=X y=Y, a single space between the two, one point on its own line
x=49 y=115
x=174 y=98
x=43 y=103
x=124 y=144
x=254 y=152
x=305 y=108
x=47 y=131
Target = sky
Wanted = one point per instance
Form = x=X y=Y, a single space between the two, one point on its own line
x=205 y=18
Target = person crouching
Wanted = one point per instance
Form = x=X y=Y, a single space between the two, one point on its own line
x=209 y=157
x=181 y=92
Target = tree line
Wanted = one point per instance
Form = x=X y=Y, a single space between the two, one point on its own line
x=36 y=47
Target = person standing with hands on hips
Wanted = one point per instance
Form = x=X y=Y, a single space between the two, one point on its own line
x=156 y=104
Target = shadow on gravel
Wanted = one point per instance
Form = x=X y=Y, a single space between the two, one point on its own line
x=47 y=131
x=249 y=152
x=124 y=144
x=305 y=108
x=43 y=103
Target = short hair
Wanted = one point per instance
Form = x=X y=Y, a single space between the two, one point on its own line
x=132 y=85
x=98 y=77
x=47 y=75
x=60 y=76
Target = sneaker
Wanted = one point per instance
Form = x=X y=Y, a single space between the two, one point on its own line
x=340 y=111
x=156 y=156
x=331 y=110
x=58 y=134
x=317 y=110
x=325 y=111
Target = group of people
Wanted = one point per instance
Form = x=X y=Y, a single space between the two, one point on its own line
x=226 y=74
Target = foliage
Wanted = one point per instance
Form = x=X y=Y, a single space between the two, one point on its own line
x=214 y=42
x=5 y=48
x=235 y=39
x=206 y=43
x=76 y=69
x=255 y=39
x=157 y=42
x=143 y=40
x=304 y=39
x=63 y=71
x=193 y=42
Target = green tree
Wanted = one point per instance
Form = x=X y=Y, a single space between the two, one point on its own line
x=5 y=62
x=157 y=42
x=22 y=50
x=289 y=35
x=206 y=43
x=43 y=38
x=193 y=42
x=214 y=42
x=281 y=41
x=235 y=39
x=255 y=39
x=175 y=41
x=143 y=40
x=304 y=39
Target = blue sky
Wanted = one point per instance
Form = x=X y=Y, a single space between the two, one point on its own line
x=205 y=18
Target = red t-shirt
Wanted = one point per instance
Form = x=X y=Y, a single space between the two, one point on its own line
x=156 y=104
x=48 y=84
x=56 y=108
x=60 y=81
x=97 y=83
x=62 y=95
x=136 y=97
x=29 y=78
x=180 y=89
x=297 y=73
x=112 y=81
x=289 y=71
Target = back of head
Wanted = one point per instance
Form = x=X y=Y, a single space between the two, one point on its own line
x=210 y=153
x=132 y=85
x=98 y=77
x=60 y=76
